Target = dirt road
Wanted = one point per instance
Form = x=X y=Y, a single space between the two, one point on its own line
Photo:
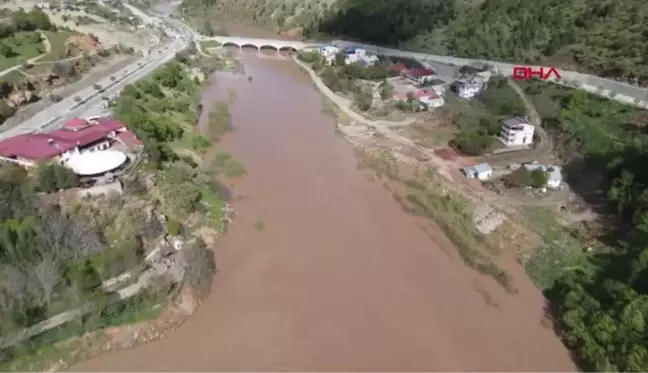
x=340 y=278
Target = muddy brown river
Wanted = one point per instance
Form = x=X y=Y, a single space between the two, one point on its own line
x=340 y=278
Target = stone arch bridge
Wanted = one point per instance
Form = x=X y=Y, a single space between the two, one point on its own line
x=259 y=44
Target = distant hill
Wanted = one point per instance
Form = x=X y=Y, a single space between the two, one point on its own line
x=605 y=37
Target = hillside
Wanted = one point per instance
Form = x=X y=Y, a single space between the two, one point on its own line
x=605 y=37
x=600 y=36
x=277 y=15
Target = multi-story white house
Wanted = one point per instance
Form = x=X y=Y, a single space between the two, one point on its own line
x=517 y=131
x=360 y=55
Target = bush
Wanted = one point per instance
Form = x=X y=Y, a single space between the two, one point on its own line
x=363 y=99
x=472 y=142
x=52 y=177
x=522 y=177
x=97 y=86
x=77 y=98
x=199 y=142
x=309 y=57
x=173 y=227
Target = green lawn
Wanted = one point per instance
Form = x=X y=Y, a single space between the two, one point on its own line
x=57 y=40
x=24 y=45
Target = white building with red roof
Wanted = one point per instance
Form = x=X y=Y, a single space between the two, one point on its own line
x=420 y=75
x=428 y=97
x=77 y=138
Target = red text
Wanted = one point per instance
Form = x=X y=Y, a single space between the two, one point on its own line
x=528 y=72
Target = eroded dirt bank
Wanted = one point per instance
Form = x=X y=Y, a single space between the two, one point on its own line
x=340 y=278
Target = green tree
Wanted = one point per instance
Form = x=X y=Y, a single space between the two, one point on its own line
x=472 y=142
x=538 y=178
x=330 y=79
x=386 y=90
x=6 y=50
x=340 y=59
x=52 y=177
x=363 y=99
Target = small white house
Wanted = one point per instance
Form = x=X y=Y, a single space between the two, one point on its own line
x=554 y=174
x=420 y=75
x=517 y=132
x=482 y=171
x=432 y=100
x=469 y=88
x=329 y=51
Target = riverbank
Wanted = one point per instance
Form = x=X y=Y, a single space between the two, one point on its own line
x=396 y=156
x=158 y=228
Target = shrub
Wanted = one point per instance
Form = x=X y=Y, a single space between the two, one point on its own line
x=173 y=227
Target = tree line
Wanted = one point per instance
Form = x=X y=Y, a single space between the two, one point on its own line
x=601 y=37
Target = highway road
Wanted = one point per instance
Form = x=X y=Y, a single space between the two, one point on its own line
x=55 y=115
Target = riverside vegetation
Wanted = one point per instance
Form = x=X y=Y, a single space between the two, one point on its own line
x=56 y=253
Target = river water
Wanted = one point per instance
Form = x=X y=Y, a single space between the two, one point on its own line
x=340 y=278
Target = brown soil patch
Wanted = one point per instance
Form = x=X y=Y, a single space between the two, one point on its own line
x=79 y=44
x=448 y=154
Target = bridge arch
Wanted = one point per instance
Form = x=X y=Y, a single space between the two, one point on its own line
x=268 y=47
x=230 y=44
x=249 y=45
x=288 y=48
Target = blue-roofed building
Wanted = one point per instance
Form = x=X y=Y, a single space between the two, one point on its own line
x=482 y=171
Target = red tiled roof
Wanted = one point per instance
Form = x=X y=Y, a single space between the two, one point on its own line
x=40 y=146
x=129 y=139
x=426 y=93
x=75 y=123
x=417 y=94
x=420 y=72
x=399 y=67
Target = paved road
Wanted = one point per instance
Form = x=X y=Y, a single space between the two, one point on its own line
x=619 y=91
x=55 y=115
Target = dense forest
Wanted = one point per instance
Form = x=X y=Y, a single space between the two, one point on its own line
x=602 y=307
x=605 y=37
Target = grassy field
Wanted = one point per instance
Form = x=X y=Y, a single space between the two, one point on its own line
x=210 y=44
x=561 y=251
x=57 y=40
x=24 y=46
